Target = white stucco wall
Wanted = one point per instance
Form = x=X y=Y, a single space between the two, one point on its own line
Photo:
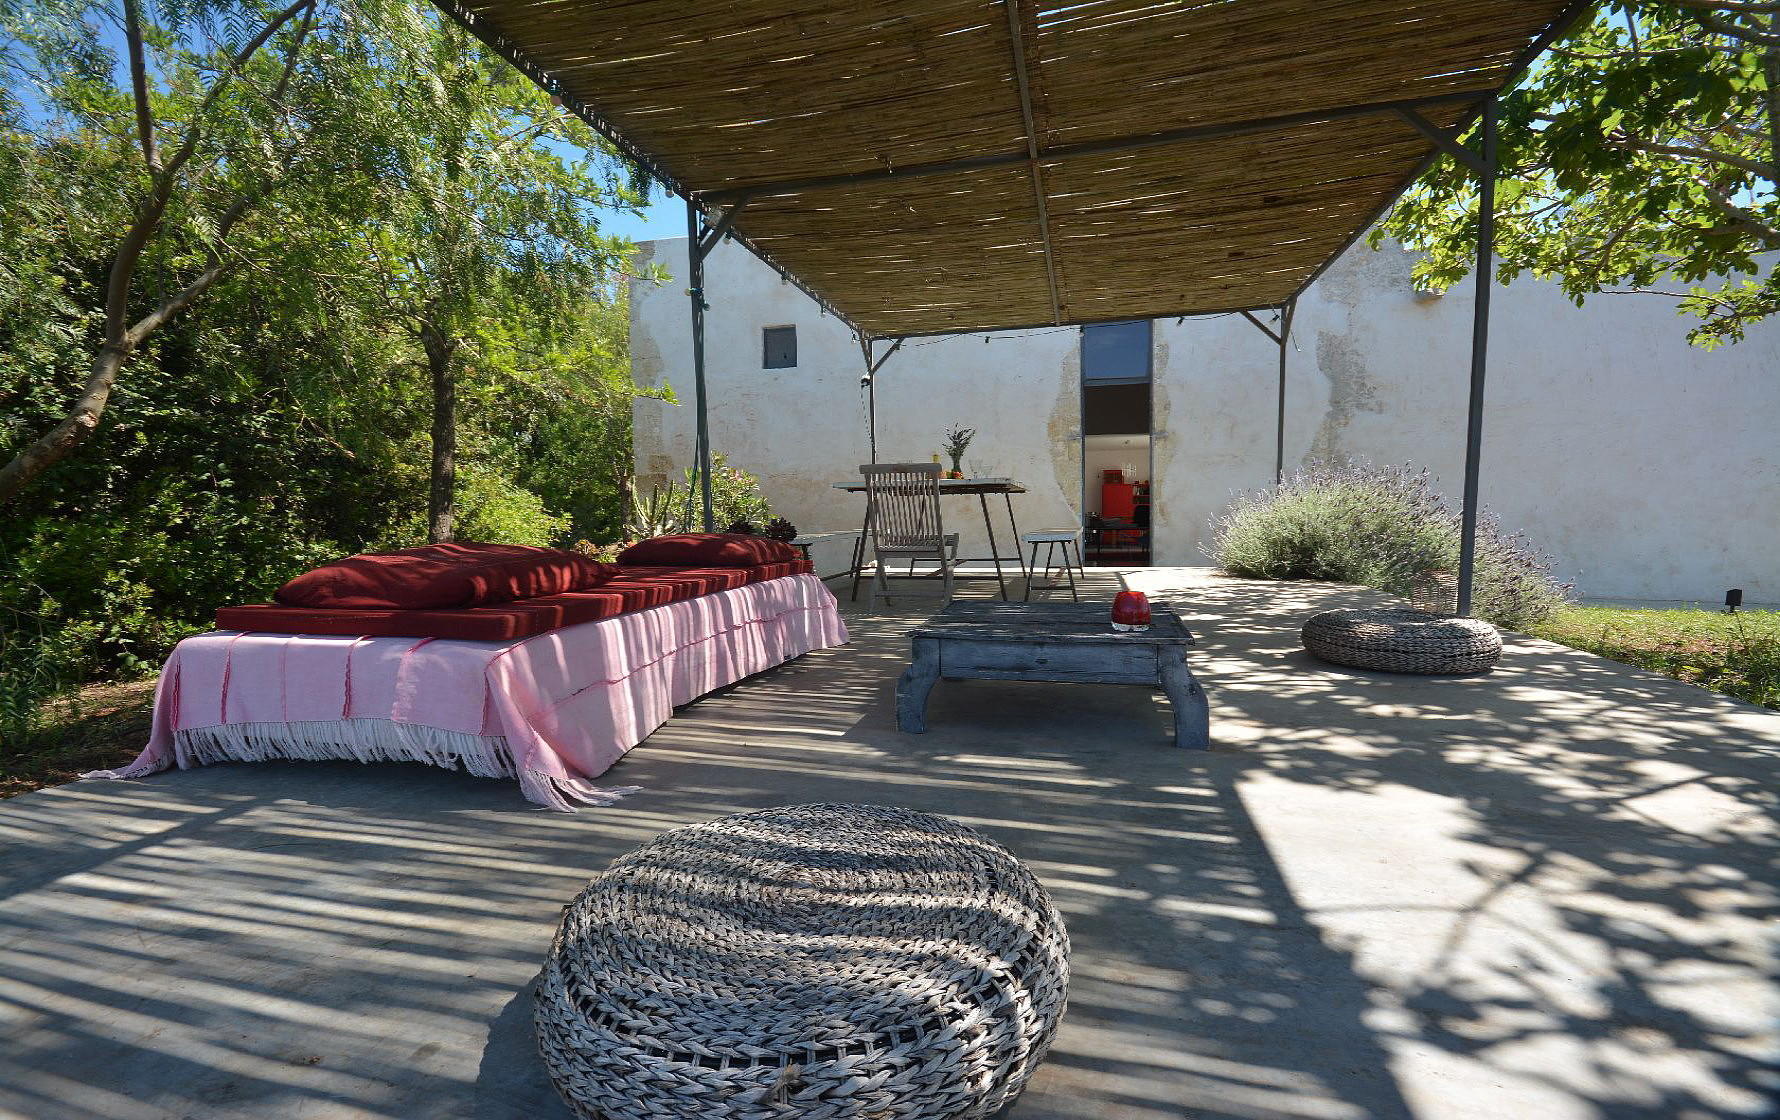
x=1646 y=467
x=803 y=429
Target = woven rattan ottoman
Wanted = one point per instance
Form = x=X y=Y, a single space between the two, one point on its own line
x=1400 y=640
x=814 y=962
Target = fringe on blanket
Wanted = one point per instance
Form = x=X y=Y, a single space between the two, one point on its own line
x=369 y=740
x=141 y=768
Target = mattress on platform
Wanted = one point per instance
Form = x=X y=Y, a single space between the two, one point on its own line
x=553 y=710
x=632 y=589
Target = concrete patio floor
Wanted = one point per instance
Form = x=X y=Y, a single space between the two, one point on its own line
x=1542 y=894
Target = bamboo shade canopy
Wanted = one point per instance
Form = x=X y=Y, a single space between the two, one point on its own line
x=933 y=166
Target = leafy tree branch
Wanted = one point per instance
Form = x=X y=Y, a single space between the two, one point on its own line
x=1641 y=154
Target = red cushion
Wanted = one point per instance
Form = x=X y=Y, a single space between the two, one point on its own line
x=438 y=576
x=708 y=550
x=634 y=589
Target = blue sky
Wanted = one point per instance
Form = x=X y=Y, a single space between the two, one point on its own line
x=665 y=217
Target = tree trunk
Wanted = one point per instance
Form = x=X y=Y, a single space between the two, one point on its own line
x=60 y=441
x=442 y=502
x=121 y=338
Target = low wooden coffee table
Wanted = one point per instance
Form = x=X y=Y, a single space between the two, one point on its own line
x=1070 y=643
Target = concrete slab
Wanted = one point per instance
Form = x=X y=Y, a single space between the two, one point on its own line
x=1547 y=893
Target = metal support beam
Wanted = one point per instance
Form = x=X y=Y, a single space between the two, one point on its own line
x=1282 y=338
x=1034 y=171
x=870 y=380
x=1102 y=147
x=1447 y=140
x=1262 y=327
x=1480 y=329
x=695 y=278
x=718 y=232
x=1279 y=429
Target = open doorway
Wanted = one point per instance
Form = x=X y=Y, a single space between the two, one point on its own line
x=1117 y=363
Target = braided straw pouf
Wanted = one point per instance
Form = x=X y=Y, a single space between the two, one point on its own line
x=1399 y=640
x=814 y=962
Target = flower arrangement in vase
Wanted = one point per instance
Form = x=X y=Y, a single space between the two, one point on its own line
x=958 y=439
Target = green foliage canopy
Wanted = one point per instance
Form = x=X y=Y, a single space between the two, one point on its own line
x=382 y=171
x=1639 y=155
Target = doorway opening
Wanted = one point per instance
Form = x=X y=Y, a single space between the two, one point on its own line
x=1117 y=364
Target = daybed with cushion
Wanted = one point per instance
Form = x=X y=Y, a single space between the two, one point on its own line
x=533 y=664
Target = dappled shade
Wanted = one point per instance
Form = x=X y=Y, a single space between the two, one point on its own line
x=1548 y=891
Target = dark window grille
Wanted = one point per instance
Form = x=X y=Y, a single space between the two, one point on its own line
x=778 y=348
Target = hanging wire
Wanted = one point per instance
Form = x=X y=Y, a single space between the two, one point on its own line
x=865 y=408
x=1038 y=332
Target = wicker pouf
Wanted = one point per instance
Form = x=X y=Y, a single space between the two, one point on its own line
x=814 y=962
x=1399 y=640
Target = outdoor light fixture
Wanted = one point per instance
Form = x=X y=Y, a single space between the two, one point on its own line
x=1732 y=600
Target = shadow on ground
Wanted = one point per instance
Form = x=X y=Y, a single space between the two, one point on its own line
x=1538 y=893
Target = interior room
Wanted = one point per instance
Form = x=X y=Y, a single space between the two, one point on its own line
x=1116 y=372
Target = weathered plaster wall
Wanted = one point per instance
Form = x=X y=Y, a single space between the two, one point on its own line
x=1645 y=466
x=803 y=429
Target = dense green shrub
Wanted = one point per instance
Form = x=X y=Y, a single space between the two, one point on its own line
x=1379 y=527
x=678 y=506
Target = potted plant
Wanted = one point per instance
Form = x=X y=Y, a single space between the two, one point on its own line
x=958 y=438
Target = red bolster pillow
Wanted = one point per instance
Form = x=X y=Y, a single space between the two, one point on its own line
x=443 y=577
x=707 y=550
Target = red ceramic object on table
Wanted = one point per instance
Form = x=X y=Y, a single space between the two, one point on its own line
x=1131 y=611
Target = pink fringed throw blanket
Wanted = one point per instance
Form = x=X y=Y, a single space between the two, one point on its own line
x=554 y=710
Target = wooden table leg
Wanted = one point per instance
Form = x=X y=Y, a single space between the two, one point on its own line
x=915 y=686
x=1192 y=712
x=994 y=549
x=1027 y=597
x=1015 y=526
x=859 y=550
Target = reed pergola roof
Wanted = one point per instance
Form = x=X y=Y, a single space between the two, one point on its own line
x=933 y=166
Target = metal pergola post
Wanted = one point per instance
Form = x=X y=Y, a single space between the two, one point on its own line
x=870 y=381
x=1282 y=338
x=695 y=291
x=1480 y=328
x=1279 y=430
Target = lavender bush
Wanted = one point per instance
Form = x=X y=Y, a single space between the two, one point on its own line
x=1380 y=527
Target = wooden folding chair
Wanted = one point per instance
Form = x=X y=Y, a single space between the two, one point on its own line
x=902 y=508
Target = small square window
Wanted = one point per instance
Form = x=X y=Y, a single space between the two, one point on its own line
x=779 y=346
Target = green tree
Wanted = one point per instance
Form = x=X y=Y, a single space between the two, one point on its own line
x=1642 y=154
x=217 y=130
x=485 y=227
x=285 y=417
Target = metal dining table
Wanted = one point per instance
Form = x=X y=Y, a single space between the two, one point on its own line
x=982 y=488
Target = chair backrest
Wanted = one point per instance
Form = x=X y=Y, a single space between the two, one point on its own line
x=903 y=500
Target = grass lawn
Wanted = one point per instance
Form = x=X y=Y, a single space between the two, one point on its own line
x=98 y=727
x=1736 y=654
